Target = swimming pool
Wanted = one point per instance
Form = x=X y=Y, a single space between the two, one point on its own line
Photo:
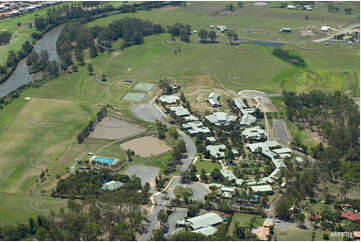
x=104 y=160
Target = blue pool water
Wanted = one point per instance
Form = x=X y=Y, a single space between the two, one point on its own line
x=103 y=160
x=268 y=44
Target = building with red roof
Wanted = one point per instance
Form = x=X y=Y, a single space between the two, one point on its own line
x=314 y=217
x=350 y=215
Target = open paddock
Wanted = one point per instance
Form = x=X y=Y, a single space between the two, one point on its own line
x=146 y=146
x=110 y=128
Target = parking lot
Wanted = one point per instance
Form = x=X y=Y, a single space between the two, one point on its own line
x=146 y=173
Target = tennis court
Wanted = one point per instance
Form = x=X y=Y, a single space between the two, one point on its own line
x=144 y=87
x=134 y=97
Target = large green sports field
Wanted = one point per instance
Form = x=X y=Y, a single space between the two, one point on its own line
x=42 y=132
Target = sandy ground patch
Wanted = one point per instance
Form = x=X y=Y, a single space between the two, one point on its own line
x=145 y=173
x=146 y=146
x=111 y=128
x=168 y=8
x=267 y=105
x=116 y=53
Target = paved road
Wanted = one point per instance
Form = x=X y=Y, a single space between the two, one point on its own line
x=150 y=112
x=178 y=214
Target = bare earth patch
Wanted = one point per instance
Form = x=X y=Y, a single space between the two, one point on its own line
x=168 y=8
x=146 y=146
x=316 y=137
x=111 y=128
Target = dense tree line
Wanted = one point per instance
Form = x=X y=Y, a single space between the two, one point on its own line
x=91 y=125
x=287 y=56
x=5 y=38
x=77 y=37
x=335 y=117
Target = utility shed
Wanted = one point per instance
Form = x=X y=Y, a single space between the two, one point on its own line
x=204 y=220
x=285 y=30
x=112 y=185
x=168 y=99
x=213 y=99
x=207 y=231
x=262 y=189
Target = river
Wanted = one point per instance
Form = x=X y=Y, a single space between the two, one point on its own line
x=21 y=74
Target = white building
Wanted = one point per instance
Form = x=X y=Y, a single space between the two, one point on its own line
x=213 y=99
x=168 y=99
x=216 y=150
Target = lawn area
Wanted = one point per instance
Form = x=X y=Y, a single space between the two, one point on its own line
x=299 y=134
x=181 y=191
x=297 y=234
x=234 y=69
x=19 y=208
x=207 y=165
x=244 y=220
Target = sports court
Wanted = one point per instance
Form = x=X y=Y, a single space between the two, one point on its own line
x=280 y=129
x=134 y=97
x=144 y=87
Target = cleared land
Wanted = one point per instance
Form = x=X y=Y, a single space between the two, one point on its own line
x=147 y=112
x=110 y=128
x=146 y=146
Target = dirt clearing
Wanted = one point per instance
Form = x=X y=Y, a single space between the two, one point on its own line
x=111 y=128
x=146 y=146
